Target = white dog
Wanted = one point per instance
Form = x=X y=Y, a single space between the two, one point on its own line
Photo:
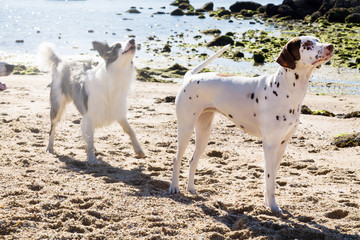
x=266 y=106
x=100 y=94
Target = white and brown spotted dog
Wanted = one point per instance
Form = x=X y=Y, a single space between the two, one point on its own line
x=265 y=106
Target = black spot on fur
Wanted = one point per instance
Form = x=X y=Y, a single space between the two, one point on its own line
x=198 y=82
x=287 y=96
x=283 y=142
x=241 y=126
x=278 y=84
x=268 y=175
x=274 y=92
x=265 y=97
x=257 y=100
x=265 y=88
x=230 y=116
x=184 y=90
x=190 y=98
x=277 y=117
x=197 y=96
x=254 y=114
x=296 y=76
x=284 y=118
x=252 y=96
x=271 y=84
x=294 y=84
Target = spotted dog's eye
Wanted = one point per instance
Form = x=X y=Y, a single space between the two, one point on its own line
x=308 y=45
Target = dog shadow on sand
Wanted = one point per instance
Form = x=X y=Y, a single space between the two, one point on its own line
x=136 y=177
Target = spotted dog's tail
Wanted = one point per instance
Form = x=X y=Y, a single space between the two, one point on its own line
x=207 y=62
x=46 y=57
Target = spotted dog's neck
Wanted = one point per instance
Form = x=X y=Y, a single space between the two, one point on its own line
x=294 y=81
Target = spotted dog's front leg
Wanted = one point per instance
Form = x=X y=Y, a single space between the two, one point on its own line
x=271 y=165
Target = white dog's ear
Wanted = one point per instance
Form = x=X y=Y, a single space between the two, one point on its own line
x=101 y=47
x=290 y=54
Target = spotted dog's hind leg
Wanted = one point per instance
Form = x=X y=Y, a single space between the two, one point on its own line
x=202 y=134
x=185 y=127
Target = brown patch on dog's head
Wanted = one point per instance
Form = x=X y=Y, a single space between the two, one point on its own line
x=290 y=54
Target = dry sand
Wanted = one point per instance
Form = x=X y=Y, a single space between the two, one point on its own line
x=43 y=196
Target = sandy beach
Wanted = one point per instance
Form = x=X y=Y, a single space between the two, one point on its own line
x=45 y=196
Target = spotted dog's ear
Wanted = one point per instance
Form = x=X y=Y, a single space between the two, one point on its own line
x=101 y=47
x=290 y=54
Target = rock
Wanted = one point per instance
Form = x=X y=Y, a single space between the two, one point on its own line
x=355 y=114
x=259 y=57
x=347 y=140
x=238 y=6
x=222 y=12
x=211 y=31
x=177 y=12
x=239 y=54
x=133 y=10
x=337 y=15
x=337 y=214
x=177 y=66
x=315 y=16
x=247 y=13
x=271 y=10
x=221 y=41
x=353 y=18
x=208 y=6
x=178 y=2
x=166 y=48
x=185 y=6
x=306 y=110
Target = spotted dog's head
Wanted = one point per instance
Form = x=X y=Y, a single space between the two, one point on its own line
x=117 y=53
x=306 y=51
x=6 y=69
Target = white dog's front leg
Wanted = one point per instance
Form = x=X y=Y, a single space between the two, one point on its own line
x=88 y=135
x=271 y=155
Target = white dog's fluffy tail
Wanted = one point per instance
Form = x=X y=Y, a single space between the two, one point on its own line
x=46 y=58
x=207 y=62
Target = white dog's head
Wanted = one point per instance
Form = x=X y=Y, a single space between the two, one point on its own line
x=117 y=53
x=6 y=69
x=306 y=51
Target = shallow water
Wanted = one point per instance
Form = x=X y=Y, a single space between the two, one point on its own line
x=73 y=25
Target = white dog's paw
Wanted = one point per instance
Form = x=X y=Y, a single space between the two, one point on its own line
x=140 y=154
x=174 y=189
x=192 y=190
x=50 y=150
x=92 y=159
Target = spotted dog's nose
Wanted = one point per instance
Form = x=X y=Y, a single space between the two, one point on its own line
x=132 y=41
x=330 y=48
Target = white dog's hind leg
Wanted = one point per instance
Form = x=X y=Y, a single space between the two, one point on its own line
x=88 y=135
x=271 y=152
x=127 y=128
x=58 y=104
x=202 y=134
